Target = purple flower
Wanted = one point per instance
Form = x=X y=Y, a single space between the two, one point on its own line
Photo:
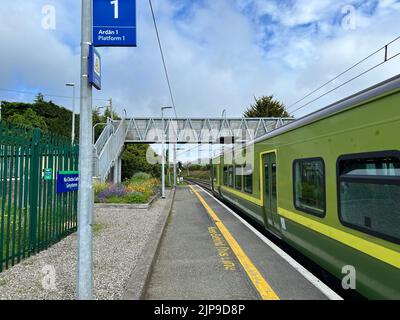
x=113 y=191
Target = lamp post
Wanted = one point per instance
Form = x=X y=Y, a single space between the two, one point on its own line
x=163 y=153
x=175 y=161
x=72 y=85
x=174 y=165
x=224 y=114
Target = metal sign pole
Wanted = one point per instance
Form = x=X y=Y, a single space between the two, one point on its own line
x=85 y=194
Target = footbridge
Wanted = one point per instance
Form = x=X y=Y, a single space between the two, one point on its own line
x=108 y=148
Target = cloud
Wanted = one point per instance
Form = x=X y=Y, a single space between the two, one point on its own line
x=219 y=53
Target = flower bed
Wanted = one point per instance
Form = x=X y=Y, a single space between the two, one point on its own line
x=137 y=190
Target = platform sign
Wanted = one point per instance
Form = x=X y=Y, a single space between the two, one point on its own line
x=114 y=23
x=94 y=68
x=67 y=181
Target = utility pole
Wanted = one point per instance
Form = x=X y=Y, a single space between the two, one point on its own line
x=175 y=183
x=169 y=165
x=163 y=154
x=85 y=193
x=111 y=109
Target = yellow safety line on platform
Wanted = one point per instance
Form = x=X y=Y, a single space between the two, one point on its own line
x=262 y=286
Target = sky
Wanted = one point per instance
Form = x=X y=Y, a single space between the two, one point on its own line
x=220 y=53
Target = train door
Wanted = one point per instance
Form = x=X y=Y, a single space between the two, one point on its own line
x=270 y=193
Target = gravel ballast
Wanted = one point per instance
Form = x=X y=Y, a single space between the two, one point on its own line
x=119 y=238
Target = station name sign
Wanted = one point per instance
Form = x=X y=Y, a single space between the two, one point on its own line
x=67 y=181
x=114 y=23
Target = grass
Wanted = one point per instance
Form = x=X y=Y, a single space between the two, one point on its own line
x=137 y=190
x=98 y=228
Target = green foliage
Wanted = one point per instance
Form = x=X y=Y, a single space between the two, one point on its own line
x=29 y=118
x=46 y=115
x=266 y=107
x=107 y=114
x=98 y=228
x=134 y=160
x=141 y=176
x=102 y=118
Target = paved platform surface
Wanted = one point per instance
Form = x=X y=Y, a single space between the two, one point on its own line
x=196 y=261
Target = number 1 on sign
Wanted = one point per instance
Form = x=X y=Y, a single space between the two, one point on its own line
x=116 y=8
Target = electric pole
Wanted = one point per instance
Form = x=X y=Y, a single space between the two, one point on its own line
x=85 y=193
x=111 y=109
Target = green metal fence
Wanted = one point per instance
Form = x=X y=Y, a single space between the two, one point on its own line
x=33 y=215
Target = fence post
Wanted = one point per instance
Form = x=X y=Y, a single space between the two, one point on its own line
x=34 y=190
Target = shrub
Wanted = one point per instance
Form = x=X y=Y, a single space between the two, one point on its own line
x=100 y=186
x=133 y=191
x=141 y=176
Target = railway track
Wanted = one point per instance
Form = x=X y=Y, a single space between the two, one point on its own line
x=202 y=183
x=315 y=269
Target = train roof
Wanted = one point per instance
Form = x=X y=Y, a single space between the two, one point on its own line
x=375 y=91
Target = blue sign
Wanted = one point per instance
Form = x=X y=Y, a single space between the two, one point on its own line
x=94 y=68
x=67 y=181
x=114 y=23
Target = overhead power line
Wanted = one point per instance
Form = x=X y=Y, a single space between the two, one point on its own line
x=347 y=82
x=386 y=59
x=163 y=58
x=44 y=94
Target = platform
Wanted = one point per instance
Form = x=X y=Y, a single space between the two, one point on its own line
x=208 y=253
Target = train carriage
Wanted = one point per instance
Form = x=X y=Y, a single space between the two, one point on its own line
x=329 y=185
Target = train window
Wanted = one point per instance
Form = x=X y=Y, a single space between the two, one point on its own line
x=248 y=179
x=369 y=193
x=230 y=176
x=238 y=177
x=225 y=176
x=309 y=186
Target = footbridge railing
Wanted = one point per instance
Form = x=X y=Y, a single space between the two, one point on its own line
x=108 y=148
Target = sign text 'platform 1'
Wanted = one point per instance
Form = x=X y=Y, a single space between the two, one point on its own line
x=114 y=23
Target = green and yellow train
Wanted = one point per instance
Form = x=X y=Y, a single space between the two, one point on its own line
x=329 y=185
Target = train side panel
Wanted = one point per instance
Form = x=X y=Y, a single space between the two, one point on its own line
x=373 y=126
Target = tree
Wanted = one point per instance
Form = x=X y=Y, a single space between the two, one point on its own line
x=39 y=98
x=266 y=107
x=30 y=118
x=134 y=160
x=58 y=119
